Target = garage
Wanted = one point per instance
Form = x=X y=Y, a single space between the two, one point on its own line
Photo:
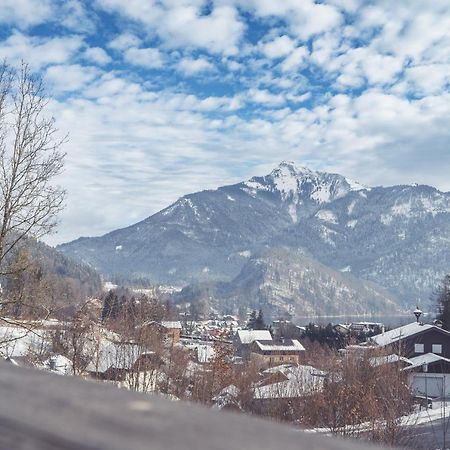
x=428 y=385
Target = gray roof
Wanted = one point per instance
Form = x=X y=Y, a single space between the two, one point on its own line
x=249 y=336
x=117 y=356
x=402 y=332
x=277 y=346
x=300 y=380
x=387 y=359
x=427 y=358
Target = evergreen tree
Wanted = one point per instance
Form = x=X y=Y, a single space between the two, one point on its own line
x=111 y=306
x=259 y=322
x=252 y=321
x=443 y=303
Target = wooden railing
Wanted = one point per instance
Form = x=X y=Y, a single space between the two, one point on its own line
x=40 y=410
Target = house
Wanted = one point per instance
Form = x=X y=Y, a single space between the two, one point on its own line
x=203 y=350
x=289 y=381
x=245 y=338
x=342 y=328
x=228 y=398
x=400 y=361
x=414 y=339
x=286 y=329
x=429 y=375
x=59 y=364
x=115 y=360
x=272 y=353
x=361 y=328
x=170 y=330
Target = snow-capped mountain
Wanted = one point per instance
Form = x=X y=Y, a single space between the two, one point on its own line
x=398 y=237
x=300 y=189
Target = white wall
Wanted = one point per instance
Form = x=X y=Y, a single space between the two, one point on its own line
x=431 y=384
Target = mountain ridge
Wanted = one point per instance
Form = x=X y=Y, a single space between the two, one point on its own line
x=209 y=235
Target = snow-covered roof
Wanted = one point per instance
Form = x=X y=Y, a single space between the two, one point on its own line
x=402 y=332
x=163 y=323
x=387 y=359
x=230 y=390
x=205 y=352
x=427 y=358
x=226 y=397
x=171 y=324
x=277 y=346
x=294 y=370
x=249 y=336
x=117 y=356
x=301 y=380
x=59 y=364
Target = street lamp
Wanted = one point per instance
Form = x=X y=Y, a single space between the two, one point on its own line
x=417 y=313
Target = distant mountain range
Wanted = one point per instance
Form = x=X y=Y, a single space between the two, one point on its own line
x=389 y=246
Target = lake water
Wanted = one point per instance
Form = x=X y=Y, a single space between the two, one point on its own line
x=389 y=321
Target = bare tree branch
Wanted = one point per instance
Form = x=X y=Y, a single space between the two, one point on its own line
x=30 y=159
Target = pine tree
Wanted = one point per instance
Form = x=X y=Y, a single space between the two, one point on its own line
x=443 y=303
x=259 y=322
x=111 y=306
x=252 y=321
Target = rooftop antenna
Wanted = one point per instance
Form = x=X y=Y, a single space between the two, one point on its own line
x=417 y=313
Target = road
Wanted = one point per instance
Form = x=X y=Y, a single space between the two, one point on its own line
x=429 y=436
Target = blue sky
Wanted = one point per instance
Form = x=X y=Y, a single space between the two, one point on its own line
x=165 y=97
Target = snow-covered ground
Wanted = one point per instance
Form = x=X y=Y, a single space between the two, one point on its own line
x=439 y=411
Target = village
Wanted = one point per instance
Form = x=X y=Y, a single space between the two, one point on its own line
x=322 y=378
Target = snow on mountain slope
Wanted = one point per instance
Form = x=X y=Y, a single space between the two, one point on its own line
x=300 y=183
x=398 y=237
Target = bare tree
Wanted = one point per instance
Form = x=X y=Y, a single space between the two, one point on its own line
x=30 y=159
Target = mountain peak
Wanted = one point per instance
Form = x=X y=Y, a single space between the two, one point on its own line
x=296 y=183
x=290 y=168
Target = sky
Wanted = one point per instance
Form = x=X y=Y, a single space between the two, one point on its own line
x=162 y=98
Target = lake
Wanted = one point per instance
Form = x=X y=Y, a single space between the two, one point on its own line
x=390 y=321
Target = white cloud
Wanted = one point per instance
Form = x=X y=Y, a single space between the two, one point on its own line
x=109 y=86
x=39 y=52
x=265 y=97
x=67 y=78
x=25 y=13
x=191 y=66
x=295 y=59
x=72 y=15
x=124 y=41
x=305 y=18
x=151 y=58
x=279 y=47
x=429 y=79
x=362 y=64
x=181 y=24
x=97 y=55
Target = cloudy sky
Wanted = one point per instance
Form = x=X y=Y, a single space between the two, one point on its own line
x=166 y=97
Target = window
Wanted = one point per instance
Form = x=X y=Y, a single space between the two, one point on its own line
x=419 y=348
x=436 y=348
